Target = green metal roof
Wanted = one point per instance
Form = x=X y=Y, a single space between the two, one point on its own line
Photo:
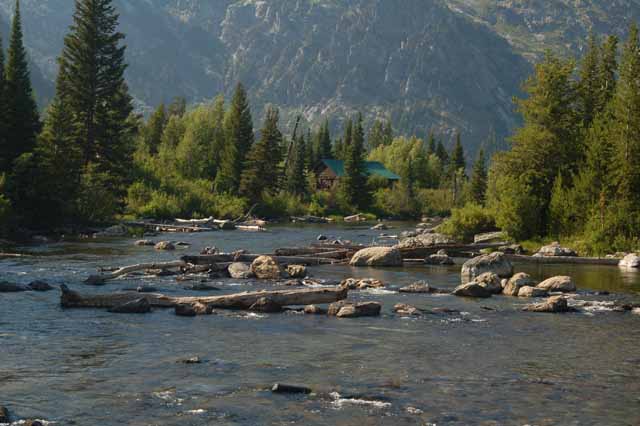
x=373 y=168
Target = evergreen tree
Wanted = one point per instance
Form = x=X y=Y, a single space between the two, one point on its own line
x=388 y=133
x=478 y=184
x=91 y=85
x=4 y=151
x=21 y=113
x=347 y=140
x=442 y=154
x=431 y=143
x=239 y=134
x=626 y=115
x=325 y=146
x=354 y=181
x=152 y=132
x=262 y=170
x=296 y=178
x=457 y=156
x=177 y=107
x=607 y=70
x=590 y=84
x=376 y=135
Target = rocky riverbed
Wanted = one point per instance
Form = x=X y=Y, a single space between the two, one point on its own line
x=454 y=361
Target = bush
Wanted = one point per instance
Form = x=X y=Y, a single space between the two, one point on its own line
x=434 y=202
x=468 y=221
x=395 y=202
x=96 y=202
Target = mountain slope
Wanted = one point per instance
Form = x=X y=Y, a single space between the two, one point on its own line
x=449 y=65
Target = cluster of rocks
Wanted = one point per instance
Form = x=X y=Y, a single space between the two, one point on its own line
x=630 y=261
x=7 y=287
x=265 y=268
x=424 y=240
x=361 y=284
x=421 y=287
x=5 y=417
x=440 y=258
x=493 y=274
x=555 y=250
x=162 y=245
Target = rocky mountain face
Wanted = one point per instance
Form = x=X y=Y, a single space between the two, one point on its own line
x=451 y=65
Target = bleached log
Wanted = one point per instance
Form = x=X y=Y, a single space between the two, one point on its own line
x=195 y=221
x=296 y=297
x=251 y=228
x=102 y=278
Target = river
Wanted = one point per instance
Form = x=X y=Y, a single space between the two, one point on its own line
x=479 y=367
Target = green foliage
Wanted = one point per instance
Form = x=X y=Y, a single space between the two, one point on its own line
x=478 y=184
x=353 y=185
x=468 y=221
x=96 y=202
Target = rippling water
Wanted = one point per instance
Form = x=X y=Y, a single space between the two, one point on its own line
x=480 y=367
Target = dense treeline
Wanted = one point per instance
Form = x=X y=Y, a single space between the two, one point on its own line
x=572 y=170
x=574 y=167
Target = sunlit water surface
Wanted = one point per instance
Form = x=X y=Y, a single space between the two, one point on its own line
x=480 y=367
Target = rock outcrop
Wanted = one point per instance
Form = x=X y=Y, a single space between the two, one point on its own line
x=563 y=284
x=517 y=282
x=472 y=289
x=494 y=262
x=554 y=250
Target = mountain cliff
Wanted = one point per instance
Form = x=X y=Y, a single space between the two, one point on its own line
x=449 y=65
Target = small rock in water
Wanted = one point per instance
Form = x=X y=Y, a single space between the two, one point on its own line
x=193 y=309
x=297 y=271
x=182 y=244
x=561 y=284
x=266 y=268
x=555 y=304
x=145 y=243
x=146 y=289
x=472 y=289
x=322 y=237
x=361 y=284
x=356 y=310
x=490 y=281
x=139 y=306
x=209 y=251
x=193 y=360
x=165 y=245
x=420 y=287
x=6 y=287
x=516 y=282
x=528 y=291
x=404 y=309
x=266 y=306
x=282 y=388
x=314 y=310
x=40 y=286
x=240 y=271
x=4 y=415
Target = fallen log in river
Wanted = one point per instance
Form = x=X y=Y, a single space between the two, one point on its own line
x=298 y=297
x=101 y=279
x=209 y=259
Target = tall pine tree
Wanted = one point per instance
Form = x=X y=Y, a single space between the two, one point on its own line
x=478 y=184
x=354 y=181
x=239 y=134
x=91 y=85
x=262 y=172
x=4 y=152
x=21 y=113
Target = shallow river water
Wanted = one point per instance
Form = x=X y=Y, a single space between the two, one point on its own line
x=480 y=367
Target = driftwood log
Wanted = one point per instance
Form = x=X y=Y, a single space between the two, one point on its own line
x=206 y=259
x=102 y=278
x=162 y=227
x=297 y=297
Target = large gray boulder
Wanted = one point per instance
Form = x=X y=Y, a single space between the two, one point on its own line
x=472 y=289
x=425 y=240
x=240 y=271
x=562 y=284
x=517 y=282
x=377 y=256
x=490 y=281
x=495 y=262
x=266 y=268
x=630 y=261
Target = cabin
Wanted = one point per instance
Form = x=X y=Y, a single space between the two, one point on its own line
x=330 y=171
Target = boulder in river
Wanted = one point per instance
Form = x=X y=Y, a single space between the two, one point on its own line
x=314 y=310
x=555 y=249
x=356 y=310
x=240 y=271
x=407 y=310
x=472 y=289
x=377 y=256
x=297 y=271
x=490 y=281
x=145 y=243
x=266 y=306
x=630 y=261
x=440 y=258
x=529 y=291
x=495 y=262
x=553 y=304
x=420 y=287
x=40 y=286
x=563 y=284
x=193 y=309
x=293 y=389
x=6 y=287
x=516 y=282
x=266 y=268
x=165 y=245
x=139 y=306
x=361 y=284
